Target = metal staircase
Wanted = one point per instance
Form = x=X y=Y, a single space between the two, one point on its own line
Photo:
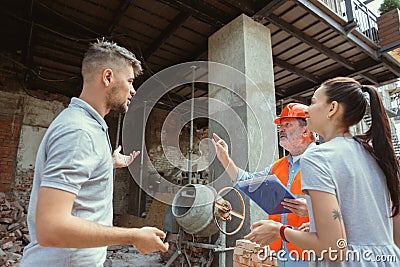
x=395 y=140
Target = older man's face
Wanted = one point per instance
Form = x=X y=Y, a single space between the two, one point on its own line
x=290 y=134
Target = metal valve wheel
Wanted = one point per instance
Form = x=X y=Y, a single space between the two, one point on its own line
x=223 y=210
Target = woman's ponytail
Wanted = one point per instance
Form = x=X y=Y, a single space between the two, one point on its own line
x=379 y=135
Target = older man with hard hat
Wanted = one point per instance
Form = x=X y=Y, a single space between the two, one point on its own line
x=295 y=138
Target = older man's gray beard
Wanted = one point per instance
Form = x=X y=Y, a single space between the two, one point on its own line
x=293 y=146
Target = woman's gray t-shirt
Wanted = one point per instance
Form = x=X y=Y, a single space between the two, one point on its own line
x=342 y=167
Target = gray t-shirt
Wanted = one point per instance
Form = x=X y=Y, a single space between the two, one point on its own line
x=342 y=167
x=74 y=156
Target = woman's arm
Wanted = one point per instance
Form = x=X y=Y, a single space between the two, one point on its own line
x=329 y=240
x=330 y=231
x=396 y=230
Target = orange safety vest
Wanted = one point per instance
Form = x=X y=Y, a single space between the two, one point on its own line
x=281 y=170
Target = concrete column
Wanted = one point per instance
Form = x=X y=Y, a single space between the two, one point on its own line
x=244 y=45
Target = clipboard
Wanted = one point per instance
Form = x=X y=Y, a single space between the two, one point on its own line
x=267 y=192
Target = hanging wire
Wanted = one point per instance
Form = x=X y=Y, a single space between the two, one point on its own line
x=67 y=18
x=27 y=91
x=66 y=36
x=34 y=72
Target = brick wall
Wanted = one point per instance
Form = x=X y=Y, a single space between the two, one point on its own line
x=176 y=155
x=10 y=128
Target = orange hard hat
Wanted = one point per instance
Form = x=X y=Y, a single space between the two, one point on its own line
x=292 y=110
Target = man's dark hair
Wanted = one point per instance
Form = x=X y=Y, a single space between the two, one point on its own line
x=105 y=54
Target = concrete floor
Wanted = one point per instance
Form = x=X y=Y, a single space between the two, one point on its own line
x=125 y=256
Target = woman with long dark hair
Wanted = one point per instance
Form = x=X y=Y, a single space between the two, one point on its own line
x=352 y=181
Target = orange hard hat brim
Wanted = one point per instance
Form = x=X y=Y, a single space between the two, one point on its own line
x=278 y=120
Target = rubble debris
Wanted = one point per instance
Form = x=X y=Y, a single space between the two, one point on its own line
x=198 y=257
x=14 y=234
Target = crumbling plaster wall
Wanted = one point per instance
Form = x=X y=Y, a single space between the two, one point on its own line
x=36 y=115
x=26 y=120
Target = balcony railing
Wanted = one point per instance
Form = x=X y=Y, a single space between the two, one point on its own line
x=357 y=15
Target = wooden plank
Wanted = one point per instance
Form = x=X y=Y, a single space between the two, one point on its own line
x=154 y=218
x=299 y=72
x=289 y=47
x=178 y=21
x=389 y=38
x=123 y=7
x=157 y=8
x=305 y=55
x=310 y=41
x=296 y=50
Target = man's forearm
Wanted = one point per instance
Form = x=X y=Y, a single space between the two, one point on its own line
x=57 y=227
x=231 y=169
x=74 y=232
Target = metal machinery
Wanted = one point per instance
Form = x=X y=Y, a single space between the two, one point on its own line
x=202 y=212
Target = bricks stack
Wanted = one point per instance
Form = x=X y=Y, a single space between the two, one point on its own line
x=14 y=232
x=247 y=253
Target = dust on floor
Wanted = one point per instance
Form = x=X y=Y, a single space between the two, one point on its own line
x=126 y=256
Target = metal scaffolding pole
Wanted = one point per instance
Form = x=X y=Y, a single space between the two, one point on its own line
x=117 y=141
x=142 y=159
x=190 y=163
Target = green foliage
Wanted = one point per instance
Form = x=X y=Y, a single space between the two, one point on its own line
x=389 y=5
